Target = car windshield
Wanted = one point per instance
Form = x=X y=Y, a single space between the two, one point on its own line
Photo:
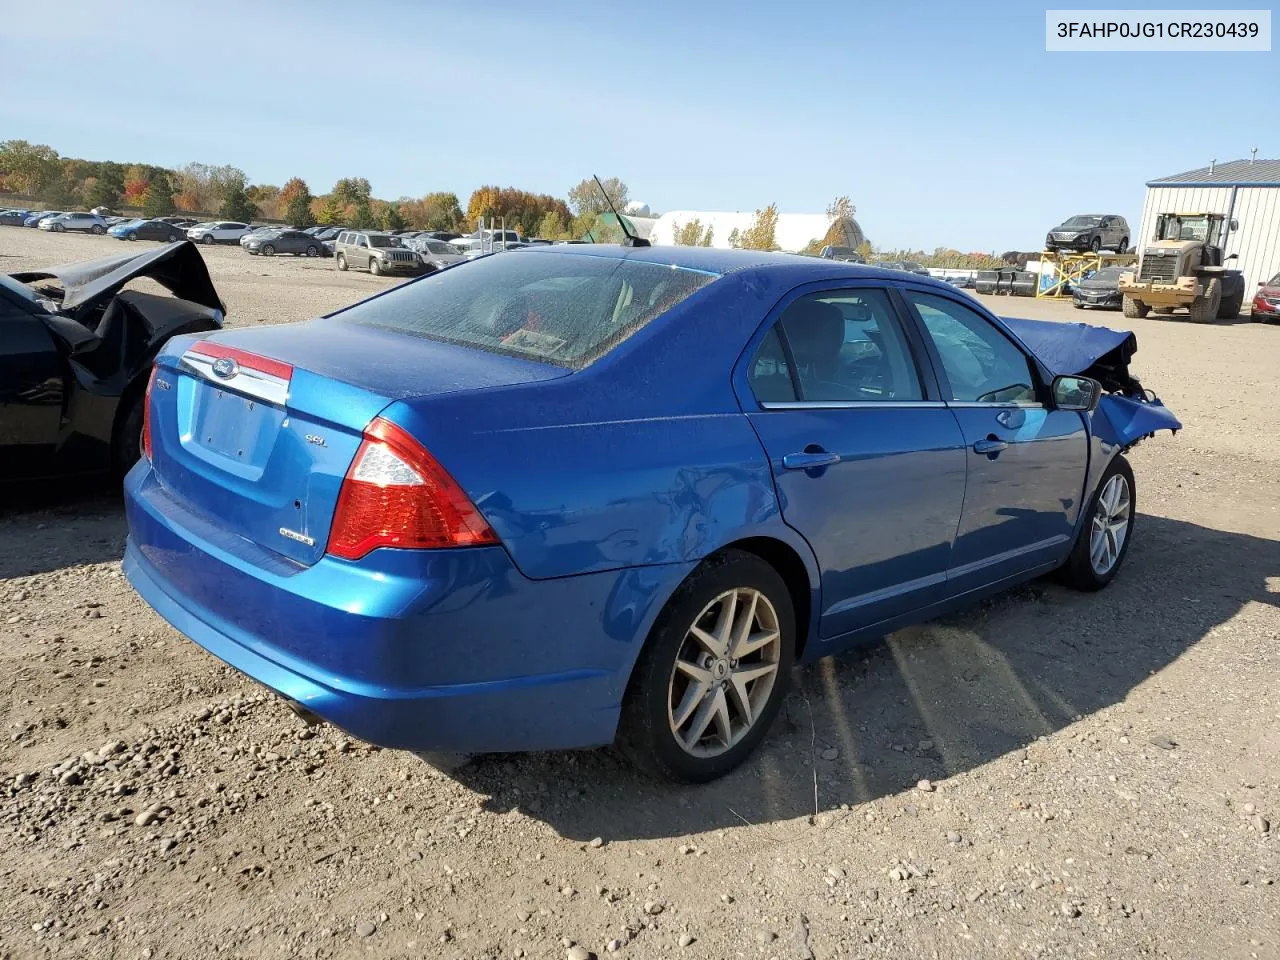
x=1083 y=222
x=1109 y=274
x=1186 y=228
x=377 y=241
x=1274 y=281
x=20 y=289
x=560 y=309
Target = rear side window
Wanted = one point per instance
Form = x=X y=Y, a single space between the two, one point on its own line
x=556 y=308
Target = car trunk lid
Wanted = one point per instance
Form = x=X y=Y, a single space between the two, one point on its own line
x=256 y=429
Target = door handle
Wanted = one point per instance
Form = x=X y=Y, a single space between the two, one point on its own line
x=809 y=459
x=991 y=446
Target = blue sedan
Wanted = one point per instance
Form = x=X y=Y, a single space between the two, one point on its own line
x=575 y=495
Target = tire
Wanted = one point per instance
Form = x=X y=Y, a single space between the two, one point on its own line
x=341 y=261
x=174 y=238
x=268 y=250
x=1095 y=244
x=313 y=251
x=1078 y=306
x=207 y=238
x=647 y=730
x=58 y=228
x=1132 y=308
x=1204 y=309
x=1081 y=571
x=97 y=230
x=1124 y=245
x=132 y=235
x=374 y=268
x=1230 y=309
x=126 y=443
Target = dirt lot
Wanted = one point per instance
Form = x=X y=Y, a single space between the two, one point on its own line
x=1102 y=770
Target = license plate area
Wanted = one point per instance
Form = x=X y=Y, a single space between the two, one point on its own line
x=224 y=428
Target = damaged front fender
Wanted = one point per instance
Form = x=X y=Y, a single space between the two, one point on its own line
x=1123 y=421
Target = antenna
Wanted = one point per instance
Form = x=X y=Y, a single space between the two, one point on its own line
x=631 y=239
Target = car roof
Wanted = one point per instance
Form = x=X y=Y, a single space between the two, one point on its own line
x=714 y=260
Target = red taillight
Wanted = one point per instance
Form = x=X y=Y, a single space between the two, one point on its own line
x=146 y=416
x=395 y=494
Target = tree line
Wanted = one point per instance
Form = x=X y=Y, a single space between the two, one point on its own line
x=37 y=170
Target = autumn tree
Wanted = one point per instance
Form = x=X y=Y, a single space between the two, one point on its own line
x=28 y=167
x=552 y=226
x=392 y=219
x=352 y=190
x=295 y=200
x=105 y=189
x=135 y=190
x=691 y=234
x=158 y=201
x=762 y=234
x=332 y=212
x=585 y=198
x=361 y=216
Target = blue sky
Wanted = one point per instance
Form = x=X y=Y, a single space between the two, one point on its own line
x=948 y=124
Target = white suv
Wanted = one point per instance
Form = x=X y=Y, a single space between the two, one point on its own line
x=220 y=231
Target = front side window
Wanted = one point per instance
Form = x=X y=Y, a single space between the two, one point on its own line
x=848 y=347
x=558 y=308
x=982 y=365
x=362 y=241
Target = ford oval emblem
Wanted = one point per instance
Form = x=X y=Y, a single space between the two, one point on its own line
x=225 y=368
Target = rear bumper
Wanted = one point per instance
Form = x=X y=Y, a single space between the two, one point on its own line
x=421 y=650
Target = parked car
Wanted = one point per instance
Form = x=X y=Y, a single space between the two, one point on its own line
x=77 y=222
x=147 y=230
x=13 y=218
x=38 y=215
x=76 y=351
x=507 y=507
x=219 y=231
x=272 y=242
x=373 y=251
x=434 y=254
x=258 y=231
x=328 y=233
x=443 y=234
x=1090 y=231
x=1101 y=289
x=184 y=222
x=1266 y=302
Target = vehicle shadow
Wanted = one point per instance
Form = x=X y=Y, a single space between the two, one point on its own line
x=930 y=702
x=59 y=524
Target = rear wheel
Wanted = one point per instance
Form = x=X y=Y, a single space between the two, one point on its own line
x=1105 y=535
x=1132 y=308
x=1204 y=308
x=341 y=261
x=126 y=443
x=98 y=230
x=713 y=671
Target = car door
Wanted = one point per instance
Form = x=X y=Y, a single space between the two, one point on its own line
x=364 y=254
x=868 y=461
x=31 y=394
x=1026 y=461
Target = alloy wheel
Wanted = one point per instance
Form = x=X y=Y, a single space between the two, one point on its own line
x=1110 y=525
x=724 y=672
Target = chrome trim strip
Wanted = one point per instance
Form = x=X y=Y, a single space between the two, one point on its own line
x=1013 y=554
x=974 y=405
x=885 y=593
x=249 y=383
x=853 y=405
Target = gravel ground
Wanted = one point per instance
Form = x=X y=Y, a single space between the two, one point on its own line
x=1050 y=775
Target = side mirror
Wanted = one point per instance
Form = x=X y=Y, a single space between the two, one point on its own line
x=1076 y=393
x=1233 y=256
x=1234 y=225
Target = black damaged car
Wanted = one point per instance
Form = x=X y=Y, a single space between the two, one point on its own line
x=75 y=357
x=1100 y=289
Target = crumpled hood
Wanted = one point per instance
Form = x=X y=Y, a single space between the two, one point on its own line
x=178 y=267
x=1074 y=348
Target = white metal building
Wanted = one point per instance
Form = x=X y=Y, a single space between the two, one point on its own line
x=1247 y=191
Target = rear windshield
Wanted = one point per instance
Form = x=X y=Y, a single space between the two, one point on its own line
x=565 y=310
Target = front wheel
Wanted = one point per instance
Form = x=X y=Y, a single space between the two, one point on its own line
x=1095 y=244
x=132 y=236
x=207 y=238
x=374 y=267
x=313 y=251
x=1124 y=245
x=174 y=238
x=98 y=230
x=1204 y=308
x=1133 y=309
x=1105 y=535
x=713 y=672
x=268 y=250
